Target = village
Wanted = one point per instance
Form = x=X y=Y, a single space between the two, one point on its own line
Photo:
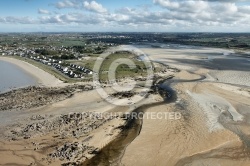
x=70 y=70
x=66 y=55
x=59 y=64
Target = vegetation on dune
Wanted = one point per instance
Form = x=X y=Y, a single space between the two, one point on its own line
x=123 y=70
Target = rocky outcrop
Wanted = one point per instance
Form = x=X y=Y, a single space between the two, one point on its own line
x=64 y=126
x=32 y=97
x=125 y=94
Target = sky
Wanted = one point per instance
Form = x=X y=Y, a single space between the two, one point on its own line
x=124 y=15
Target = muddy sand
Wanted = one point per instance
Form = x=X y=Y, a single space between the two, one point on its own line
x=215 y=126
x=211 y=92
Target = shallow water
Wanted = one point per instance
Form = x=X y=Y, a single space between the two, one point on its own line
x=11 y=76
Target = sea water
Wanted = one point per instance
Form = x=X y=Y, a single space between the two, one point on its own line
x=12 y=77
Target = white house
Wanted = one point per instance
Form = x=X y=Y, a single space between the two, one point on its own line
x=65 y=69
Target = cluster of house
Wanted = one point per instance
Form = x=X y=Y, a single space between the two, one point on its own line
x=73 y=71
x=45 y=60
x=20 y=51
x=70 y=71
x=23 y=51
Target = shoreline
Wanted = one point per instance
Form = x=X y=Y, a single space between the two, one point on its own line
x=204 y=103
x=42 y=77
x=109 y=134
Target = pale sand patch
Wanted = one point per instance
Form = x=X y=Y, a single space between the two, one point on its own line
x=232 y=77
x=171 y=56
x=234 y=89
x=179 y=57
x=42 y=77
x=214 y=106
x=211 y=111
x=164 y=141
x=230 y=153
x=185 y=75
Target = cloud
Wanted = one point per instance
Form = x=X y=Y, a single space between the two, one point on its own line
x=225 y=1
x=17 y=20
x=72 y=18
x=185 y=6
x=180 y=14
x=42 y=11
x=67 y=4
x=167 y=3
x=94 y=6
x=213 y=11
x=2 y=19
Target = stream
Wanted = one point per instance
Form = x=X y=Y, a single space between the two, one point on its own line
x=113 y=152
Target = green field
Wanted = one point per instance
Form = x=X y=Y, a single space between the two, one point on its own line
x=122 y=70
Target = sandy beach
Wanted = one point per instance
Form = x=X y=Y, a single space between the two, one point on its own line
x=42 y=126
x=34 y=133
x=213 y=130
x=33 y=146
x=213 y=101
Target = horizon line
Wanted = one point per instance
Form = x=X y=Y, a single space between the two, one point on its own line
x=112 y=32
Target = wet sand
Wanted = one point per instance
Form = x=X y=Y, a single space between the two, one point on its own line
x=213 y=129
x=37 y=127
